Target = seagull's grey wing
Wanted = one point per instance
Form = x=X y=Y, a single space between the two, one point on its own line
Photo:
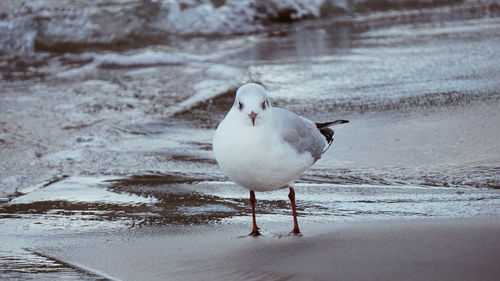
x=299 y=132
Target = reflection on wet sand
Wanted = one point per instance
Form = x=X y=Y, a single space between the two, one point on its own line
x=136 y=202
x=103 y=146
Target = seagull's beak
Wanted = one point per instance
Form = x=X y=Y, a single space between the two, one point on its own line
x=252 y=116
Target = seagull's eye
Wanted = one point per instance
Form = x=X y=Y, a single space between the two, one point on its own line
x=240 y=105
x=263 y=105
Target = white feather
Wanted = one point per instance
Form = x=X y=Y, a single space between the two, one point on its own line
x=267 y=155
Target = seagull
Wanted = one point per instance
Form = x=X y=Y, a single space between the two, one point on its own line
x=264 y=148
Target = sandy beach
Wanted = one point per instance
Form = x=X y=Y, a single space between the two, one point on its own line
x=108 y=109
x=418 y=249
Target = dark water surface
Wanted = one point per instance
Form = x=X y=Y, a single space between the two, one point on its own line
x=105 y=141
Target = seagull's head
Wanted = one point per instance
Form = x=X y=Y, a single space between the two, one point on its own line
x=252 y=104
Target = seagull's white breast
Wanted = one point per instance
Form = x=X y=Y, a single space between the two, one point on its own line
x=256 y=157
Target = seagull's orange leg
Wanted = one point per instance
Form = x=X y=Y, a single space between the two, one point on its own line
x=255 y=230
x=296 y=230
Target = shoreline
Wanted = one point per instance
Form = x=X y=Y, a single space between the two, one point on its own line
x=97 y=173
x=416 y=249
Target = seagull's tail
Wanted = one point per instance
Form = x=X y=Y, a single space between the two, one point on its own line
x=329 y=124
x=327 y=132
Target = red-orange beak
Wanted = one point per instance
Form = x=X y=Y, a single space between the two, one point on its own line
x=252 y=116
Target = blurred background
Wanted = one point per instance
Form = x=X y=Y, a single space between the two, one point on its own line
x=107 y=110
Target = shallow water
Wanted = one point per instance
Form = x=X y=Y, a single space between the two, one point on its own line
x=105 y=141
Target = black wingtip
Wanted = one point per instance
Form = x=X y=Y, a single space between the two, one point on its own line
x=329 y=124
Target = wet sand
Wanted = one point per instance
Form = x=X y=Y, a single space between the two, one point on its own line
x=423 y=249
x=107 y=169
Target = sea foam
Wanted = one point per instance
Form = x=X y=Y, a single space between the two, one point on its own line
x=69 y=25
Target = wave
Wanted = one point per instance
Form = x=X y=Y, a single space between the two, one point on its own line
x=217 y=103
x=436 y=100
x=444 y=177
x=145 y=58
x=68 y=26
